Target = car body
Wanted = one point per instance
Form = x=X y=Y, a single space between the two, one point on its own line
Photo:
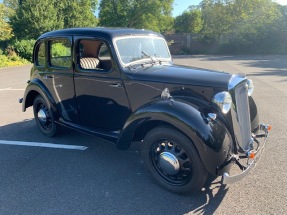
x=120 y=85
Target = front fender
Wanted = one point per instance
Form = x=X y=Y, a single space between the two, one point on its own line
x=212 y=140
x=34 y=88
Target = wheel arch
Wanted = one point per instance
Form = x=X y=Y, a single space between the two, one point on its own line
x=213 y=142
x=35 y=88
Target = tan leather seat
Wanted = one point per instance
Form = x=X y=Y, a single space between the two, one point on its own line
x=89 y=63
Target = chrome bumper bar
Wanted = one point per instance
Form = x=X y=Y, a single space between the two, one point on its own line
x=227 y=179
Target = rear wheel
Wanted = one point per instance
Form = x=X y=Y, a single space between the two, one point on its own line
x=173 y=160
x=44 y=117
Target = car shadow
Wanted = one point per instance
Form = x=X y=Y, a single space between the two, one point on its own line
x=107 y=180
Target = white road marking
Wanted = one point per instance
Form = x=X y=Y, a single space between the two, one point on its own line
x=47 y=145
x=5 y=89
x=10 y=89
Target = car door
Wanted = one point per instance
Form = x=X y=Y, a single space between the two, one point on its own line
x=101 y=97
x=59 y=78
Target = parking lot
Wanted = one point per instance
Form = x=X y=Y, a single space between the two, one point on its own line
x=99 y=179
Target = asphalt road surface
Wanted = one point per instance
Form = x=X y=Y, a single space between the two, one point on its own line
x=104 y=180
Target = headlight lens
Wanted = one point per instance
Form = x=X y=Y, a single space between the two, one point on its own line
x=223 y=100
x=250 y=87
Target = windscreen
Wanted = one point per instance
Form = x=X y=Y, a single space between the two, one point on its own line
x=132 y=49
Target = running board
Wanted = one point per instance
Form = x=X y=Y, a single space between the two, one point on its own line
x=109 y=136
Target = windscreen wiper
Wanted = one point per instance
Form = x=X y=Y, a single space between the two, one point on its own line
x=147 y=55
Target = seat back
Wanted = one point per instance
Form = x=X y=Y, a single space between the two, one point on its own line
x=89 y=63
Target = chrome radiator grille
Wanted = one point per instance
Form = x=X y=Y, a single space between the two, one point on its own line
x=241 y=116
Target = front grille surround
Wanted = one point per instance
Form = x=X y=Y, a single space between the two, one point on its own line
x=240 y=112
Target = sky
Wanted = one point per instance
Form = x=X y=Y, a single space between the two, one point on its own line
x=181 y=5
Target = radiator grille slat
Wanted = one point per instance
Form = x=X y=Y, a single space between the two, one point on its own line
x=243 y=116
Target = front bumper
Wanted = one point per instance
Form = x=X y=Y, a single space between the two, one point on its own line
x=260 y=141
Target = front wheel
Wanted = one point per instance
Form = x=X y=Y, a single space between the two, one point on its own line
x=173 y=160
x=44 y=117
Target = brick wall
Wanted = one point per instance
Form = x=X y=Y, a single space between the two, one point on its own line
x=184 y=44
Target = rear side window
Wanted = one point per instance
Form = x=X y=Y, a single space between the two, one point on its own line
x=40 y=54
x=60 y=53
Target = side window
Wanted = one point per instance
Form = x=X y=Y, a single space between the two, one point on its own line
x=104 y=53
x=60 y=53
x=40 y=54
x=93 y=55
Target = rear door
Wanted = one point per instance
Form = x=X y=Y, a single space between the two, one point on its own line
x=59 y=77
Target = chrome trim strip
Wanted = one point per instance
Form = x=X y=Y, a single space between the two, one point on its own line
x=235 y=80
x=227 y=179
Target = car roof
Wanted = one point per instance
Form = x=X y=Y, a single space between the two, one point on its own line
x=99 y=31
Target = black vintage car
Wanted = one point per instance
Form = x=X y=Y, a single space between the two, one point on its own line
x=120 y=85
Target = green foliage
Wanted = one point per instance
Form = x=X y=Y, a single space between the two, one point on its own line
x=8 y=61
x=11 y=6
x=35 y=17
x=61 y=53
x=79 y=13
x=239 y=19
x=189 y=22
x=5 y=28
x=283 y=10
x=24 y=48
x=147 y=14
x=60 y=50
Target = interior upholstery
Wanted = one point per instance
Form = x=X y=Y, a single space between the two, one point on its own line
x=89 y=63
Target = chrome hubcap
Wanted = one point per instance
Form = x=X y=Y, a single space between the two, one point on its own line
x=172 y=163
x=42 y=116
x=169 y=163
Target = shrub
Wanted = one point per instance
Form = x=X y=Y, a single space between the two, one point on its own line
x=8 y=61
x=24 y=48
x=60 y=50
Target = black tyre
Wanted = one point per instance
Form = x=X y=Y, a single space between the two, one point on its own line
x=173 y=160
x=44 y=117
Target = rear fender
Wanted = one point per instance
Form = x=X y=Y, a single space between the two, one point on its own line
x=36 y=87
x=212 y=140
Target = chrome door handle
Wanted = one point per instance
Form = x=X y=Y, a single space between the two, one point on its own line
x=116 y=85
x=48 y=76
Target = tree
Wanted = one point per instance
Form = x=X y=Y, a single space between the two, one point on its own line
x=79 y=13
x=189 y=22
x=240 y=20
x=11 y=6
x=215 y=17
x=5 y=28
x=283 y=10
x=148 y=14
x=35 y=17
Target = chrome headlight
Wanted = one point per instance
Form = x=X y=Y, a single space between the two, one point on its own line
x=223 y=100
x=250 y=87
